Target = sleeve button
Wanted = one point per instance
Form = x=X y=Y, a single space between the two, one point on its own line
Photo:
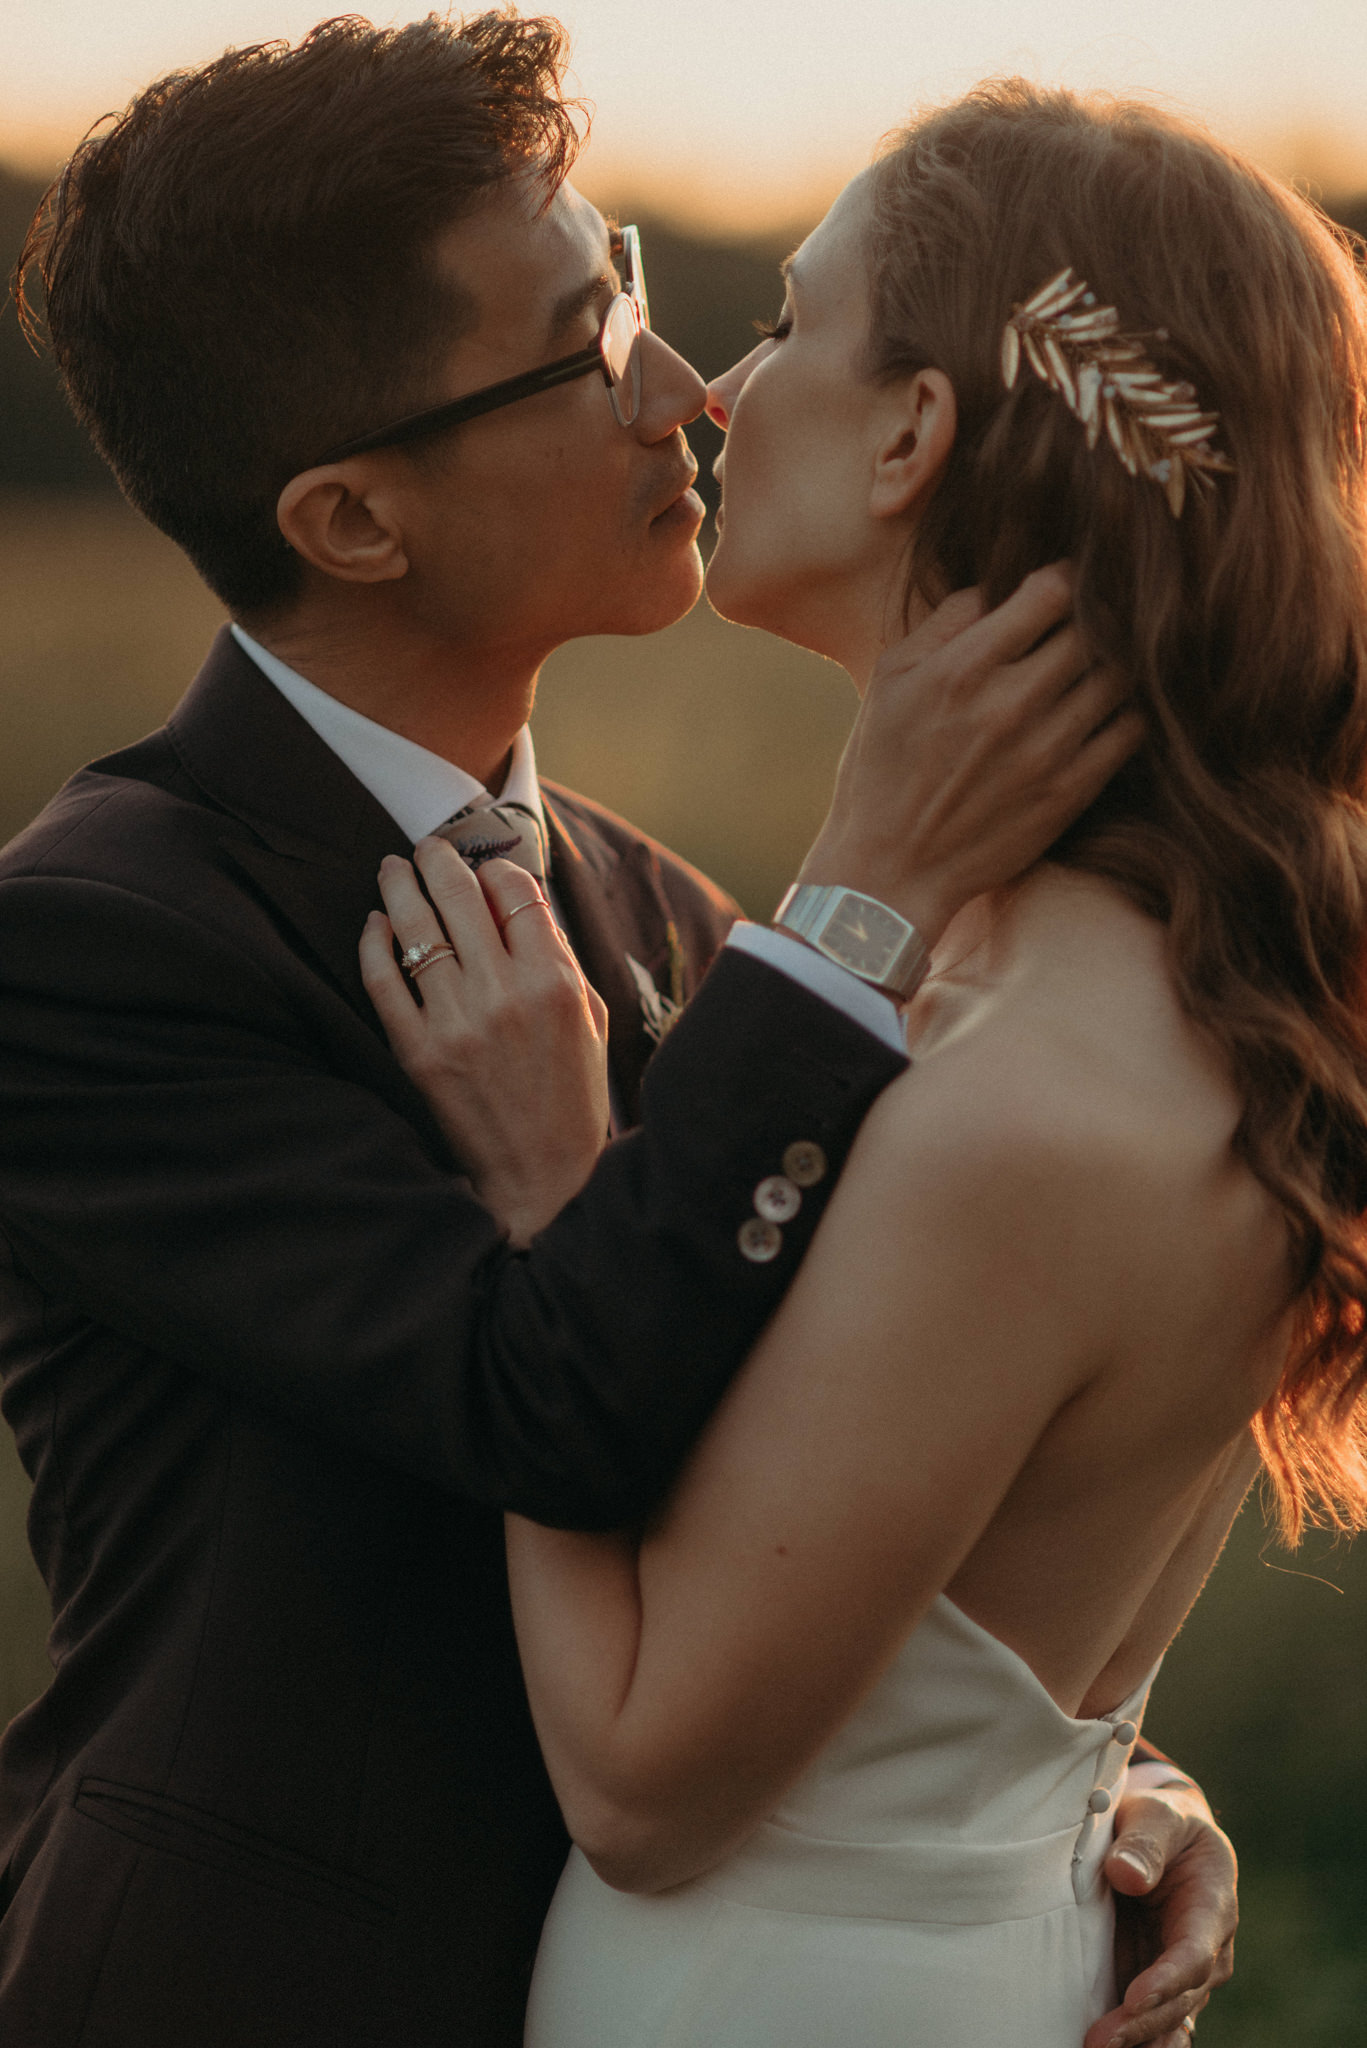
x=777 y=1199
x=1100 y=1802
x=805 y=1163
x=1124 y=1732
x=759 y=1240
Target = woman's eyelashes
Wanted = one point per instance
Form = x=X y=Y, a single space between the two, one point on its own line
x=775 y=330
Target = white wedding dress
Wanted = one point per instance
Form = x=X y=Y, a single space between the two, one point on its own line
x=933 y=1881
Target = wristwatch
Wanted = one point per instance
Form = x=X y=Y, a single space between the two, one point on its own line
x=857 y=932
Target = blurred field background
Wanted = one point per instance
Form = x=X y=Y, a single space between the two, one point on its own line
x=723 y=743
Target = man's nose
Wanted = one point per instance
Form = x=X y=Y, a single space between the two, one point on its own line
x=672 y=392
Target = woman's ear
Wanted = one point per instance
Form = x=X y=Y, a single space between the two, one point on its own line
x=913 y=453
x=348 y=531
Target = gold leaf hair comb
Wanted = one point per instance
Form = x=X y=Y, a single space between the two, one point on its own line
x=1107 y=379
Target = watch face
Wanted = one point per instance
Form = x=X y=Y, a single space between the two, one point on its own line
x=863 y=936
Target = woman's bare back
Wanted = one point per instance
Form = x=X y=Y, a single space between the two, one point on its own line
x=1017 y=1366
x=1058 y=1000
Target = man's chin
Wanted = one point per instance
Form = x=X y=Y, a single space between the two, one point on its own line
x=672 y=593
x=643 y=603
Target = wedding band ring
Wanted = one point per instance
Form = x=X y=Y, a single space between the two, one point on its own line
x=430 y=957
x=1188 y=2027
x=532 y=903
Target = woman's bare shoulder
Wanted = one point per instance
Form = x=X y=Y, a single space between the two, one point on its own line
x=1066 y=1121
x=1053 y=1064
x=1055 y=1011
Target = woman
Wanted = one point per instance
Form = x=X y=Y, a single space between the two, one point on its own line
x=838 y=1736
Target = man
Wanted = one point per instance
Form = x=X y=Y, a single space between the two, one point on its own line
x=272 y=1368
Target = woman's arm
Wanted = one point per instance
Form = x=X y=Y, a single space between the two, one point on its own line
x=943 y=1316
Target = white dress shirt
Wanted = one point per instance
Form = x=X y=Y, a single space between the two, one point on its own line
x=421 y=791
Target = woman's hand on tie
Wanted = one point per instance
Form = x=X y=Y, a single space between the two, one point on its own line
x=501 y=1033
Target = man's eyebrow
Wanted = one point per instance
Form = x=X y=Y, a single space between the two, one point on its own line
x=571 y=304
x=788 y=269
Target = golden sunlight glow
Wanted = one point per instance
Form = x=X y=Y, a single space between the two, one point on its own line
x=754 y=111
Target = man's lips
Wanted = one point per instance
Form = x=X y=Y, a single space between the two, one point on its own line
x=683 y=484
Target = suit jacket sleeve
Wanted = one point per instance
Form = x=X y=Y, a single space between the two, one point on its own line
x=182 y=1169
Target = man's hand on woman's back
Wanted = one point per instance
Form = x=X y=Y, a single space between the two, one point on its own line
x=1179 y=1879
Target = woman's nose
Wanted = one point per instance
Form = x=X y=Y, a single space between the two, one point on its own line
x=723 y=391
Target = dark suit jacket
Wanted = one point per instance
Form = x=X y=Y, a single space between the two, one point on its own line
x=274 y=1372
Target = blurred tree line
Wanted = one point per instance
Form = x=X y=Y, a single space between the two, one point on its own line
x=41 y=445
x=705 y=294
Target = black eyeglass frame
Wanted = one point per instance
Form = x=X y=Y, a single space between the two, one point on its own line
x=563 y=371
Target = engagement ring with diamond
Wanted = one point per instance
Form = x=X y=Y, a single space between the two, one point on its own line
x=418 y=957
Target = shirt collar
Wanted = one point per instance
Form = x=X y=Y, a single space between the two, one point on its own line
x=418 y=788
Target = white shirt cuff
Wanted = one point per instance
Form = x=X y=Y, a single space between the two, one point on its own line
x=834 y=984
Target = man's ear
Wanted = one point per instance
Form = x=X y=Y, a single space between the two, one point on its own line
x=913 y=453
x=347 y=530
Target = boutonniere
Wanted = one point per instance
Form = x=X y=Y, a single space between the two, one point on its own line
x=660 y=1013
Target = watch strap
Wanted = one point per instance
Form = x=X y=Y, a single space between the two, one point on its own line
x=810 y=910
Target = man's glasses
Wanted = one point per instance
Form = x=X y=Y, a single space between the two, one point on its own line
x=616 y=352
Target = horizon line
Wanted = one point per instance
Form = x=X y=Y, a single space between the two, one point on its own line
x=723 y=204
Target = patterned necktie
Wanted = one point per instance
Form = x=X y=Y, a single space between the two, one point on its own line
x=489 y=830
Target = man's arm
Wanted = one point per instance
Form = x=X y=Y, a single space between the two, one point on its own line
x=179 y=1165
x=1177 y=1913
x=183 y=1161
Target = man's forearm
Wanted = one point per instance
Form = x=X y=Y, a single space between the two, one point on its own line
x=192 y=1181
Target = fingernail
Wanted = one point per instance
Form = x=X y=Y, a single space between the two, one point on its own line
x=1154 y=1998
x=1138 y=1863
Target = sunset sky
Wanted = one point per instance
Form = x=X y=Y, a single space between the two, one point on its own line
x=751 y=109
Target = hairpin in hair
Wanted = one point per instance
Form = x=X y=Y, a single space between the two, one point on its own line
x=1107 y=378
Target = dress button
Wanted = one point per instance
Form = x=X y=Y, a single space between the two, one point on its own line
x=804 y=1163
x=1100 y=1802
x=759 y=1240
x=777 y=1199
x=1124 y=1731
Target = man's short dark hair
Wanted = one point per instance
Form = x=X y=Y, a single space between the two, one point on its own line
x=237 y=272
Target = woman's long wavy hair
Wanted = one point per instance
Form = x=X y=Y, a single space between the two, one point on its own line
x=1242 y=625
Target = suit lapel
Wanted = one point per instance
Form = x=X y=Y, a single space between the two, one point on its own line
x=612 y=906
x=317 y=837
x=326 y=905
